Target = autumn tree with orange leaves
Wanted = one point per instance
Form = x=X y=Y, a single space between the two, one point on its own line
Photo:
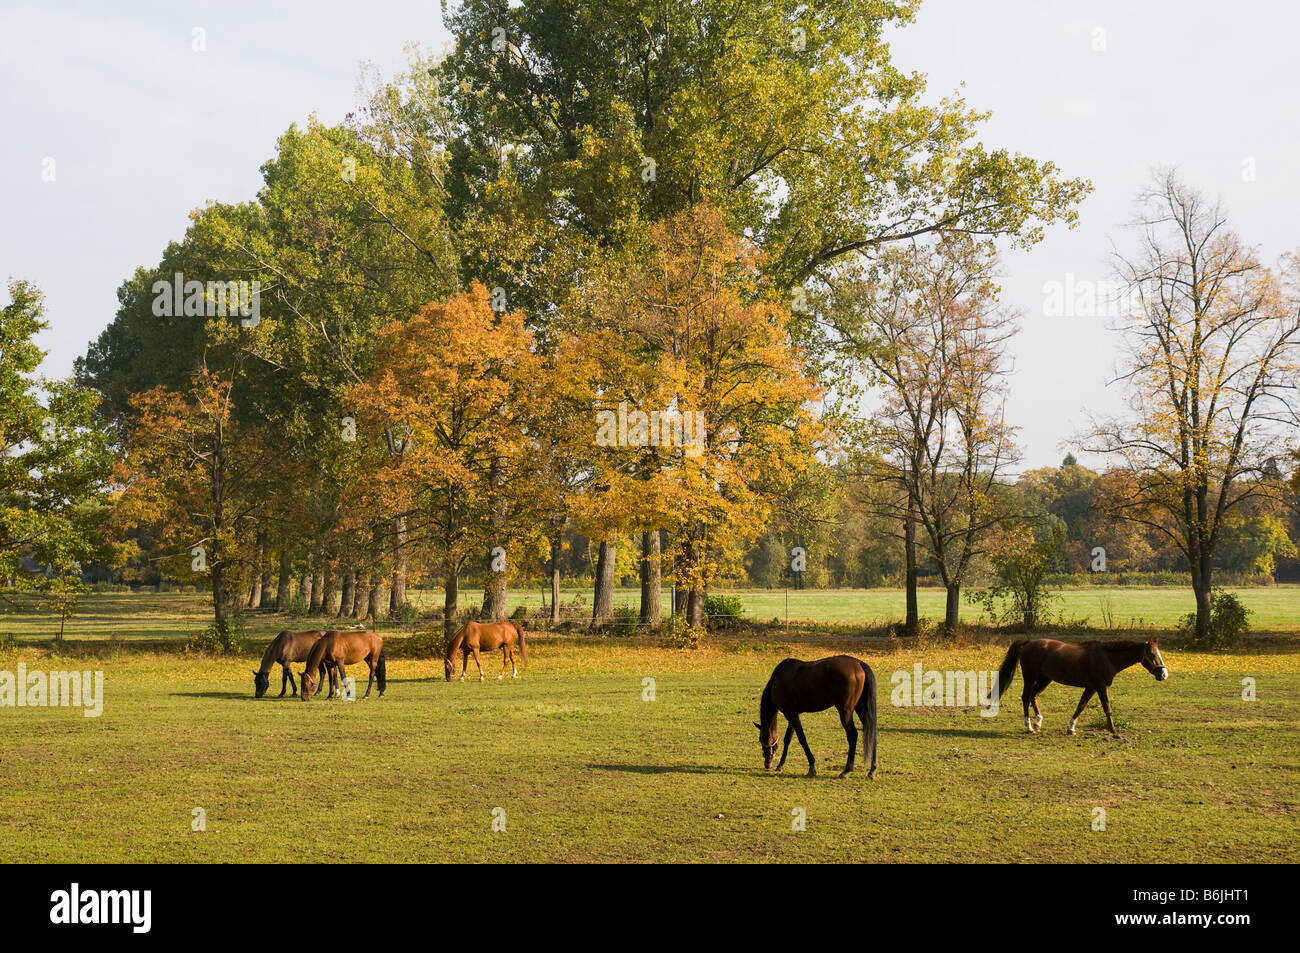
x=456 y=387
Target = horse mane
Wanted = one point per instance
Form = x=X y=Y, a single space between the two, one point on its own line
x=456 y=639
x=766 y=706
x=268 y=658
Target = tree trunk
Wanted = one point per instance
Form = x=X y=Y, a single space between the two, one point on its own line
x=349 y=592
x=912 y=623
x=373 y=605
x=494 y=591
x=397 y=596
x=329 y=589
x=952 y=609
x=317 y=590
x=652 y=582
x=304 y=587
x=360 y=597
x=264 y=547
x=451 y=596
x=695 y=608
x=284 y=590
x=260 y=573
x=557 y=546
x=602 y=603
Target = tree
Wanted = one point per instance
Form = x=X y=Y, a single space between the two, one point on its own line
x=455 y=387
x=191 y=472
x=720 y=411
x=1212 y=370
x=926 y=324
x=54 y=464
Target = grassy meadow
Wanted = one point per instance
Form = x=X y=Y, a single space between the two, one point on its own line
x=586 y=768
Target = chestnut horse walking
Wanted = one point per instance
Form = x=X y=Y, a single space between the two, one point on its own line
x=285 y=648
x=797 y=687
x=473 y=637
x=1091 y=666
x=337 y=649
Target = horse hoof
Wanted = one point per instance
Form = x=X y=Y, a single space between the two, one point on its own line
x=1069 y=731
x=871 y=775
x=499 y=677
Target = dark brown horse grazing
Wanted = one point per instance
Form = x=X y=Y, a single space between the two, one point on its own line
x=473 y=637
x=285 y=648
x=797 y=687
x=1091 y=666
x=337 y=649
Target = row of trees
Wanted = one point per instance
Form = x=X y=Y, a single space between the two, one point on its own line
x=737 y=213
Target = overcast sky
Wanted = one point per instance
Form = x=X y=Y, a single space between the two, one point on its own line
x=141 y=128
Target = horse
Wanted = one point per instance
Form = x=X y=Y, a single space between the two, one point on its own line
x=487 y=636
x=337 y=649
x=797 y=687
x=1091 y=666
x=285 y=648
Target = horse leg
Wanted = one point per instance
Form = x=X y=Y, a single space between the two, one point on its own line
x=1104 y=695
x=505 y=660
x=1027 y=696
x=479 y=662
x=514 y=669
x=286 y=678
x=1038 y=712
x=851 y=732
x=369 y=681
x=341 y=673
x=789 y=730
x=464 y=662
x=1083 y=702
x=798 y=730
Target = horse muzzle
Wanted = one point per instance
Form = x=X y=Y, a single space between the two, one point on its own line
x=1161 y=674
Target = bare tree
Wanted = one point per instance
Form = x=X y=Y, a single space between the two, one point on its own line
x=928 y=326
x=1212 y=370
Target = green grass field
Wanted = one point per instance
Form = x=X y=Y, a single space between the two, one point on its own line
x=586 y=770
x=1275 y=609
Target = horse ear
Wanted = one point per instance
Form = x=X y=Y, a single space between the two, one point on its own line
x=757 y=725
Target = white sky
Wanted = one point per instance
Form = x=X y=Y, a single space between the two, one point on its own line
x=142 y=129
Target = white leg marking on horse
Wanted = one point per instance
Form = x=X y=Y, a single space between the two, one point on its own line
x=1070 y=730
x=1029 y=724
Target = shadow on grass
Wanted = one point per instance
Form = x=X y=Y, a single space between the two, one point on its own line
x=668 y=769
x=950 y=732
x=248 y=695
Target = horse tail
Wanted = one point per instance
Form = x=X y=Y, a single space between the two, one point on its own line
x=381 y=670
x=869 y=722
x=1008 y=670
x=523 y=649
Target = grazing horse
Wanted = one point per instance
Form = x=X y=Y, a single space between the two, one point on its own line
x=285 y=648
x=337 y=649
x=488 y=637
x=797 y=687
x=1091 y=666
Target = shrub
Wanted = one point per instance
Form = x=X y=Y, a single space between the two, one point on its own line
x=625 y=620
x=220 y=638
x=1229 y=621
x=429 y=642
x=408 y=613
x=723 y=612
x=679 y=635
x=297 y=606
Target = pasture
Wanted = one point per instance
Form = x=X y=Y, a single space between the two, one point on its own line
x=586 y=768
